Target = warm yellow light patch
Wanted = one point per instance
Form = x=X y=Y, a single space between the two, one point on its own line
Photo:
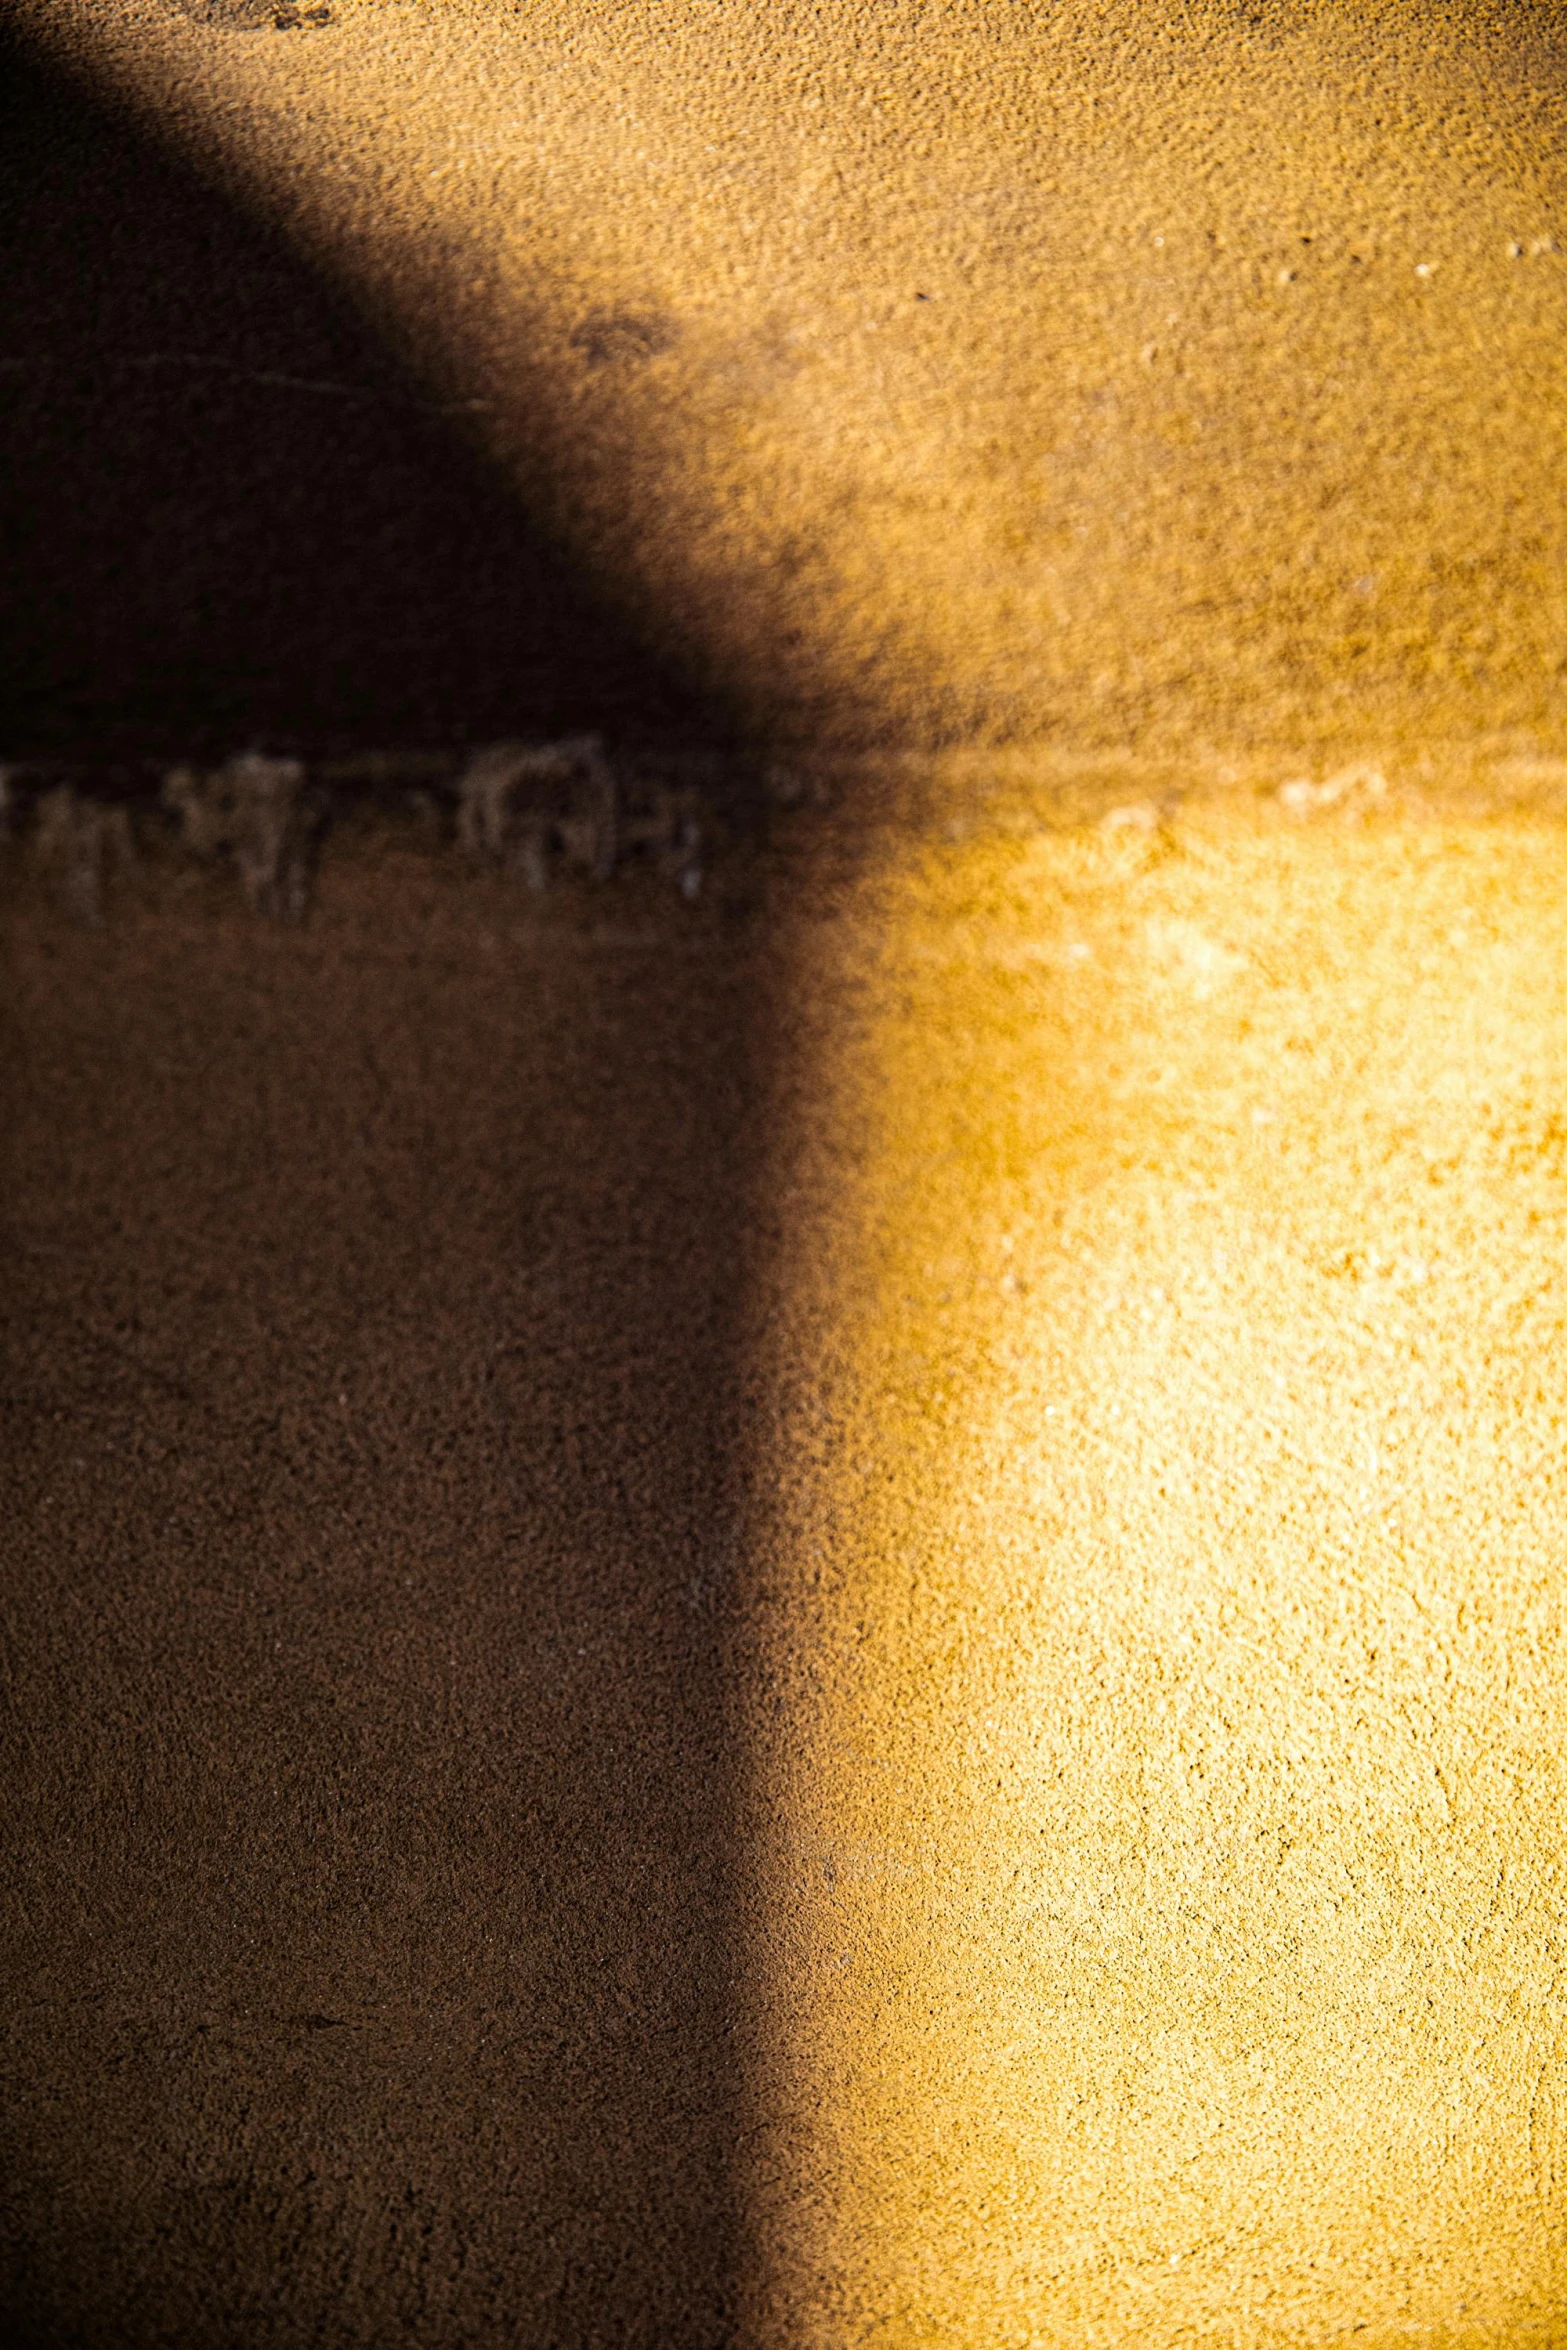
x=1167 y=1949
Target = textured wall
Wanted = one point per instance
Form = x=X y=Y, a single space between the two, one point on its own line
x=1066 y=370
x=970 y=1747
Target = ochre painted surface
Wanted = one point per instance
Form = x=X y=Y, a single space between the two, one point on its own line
x=1118 y=367
x=1168 y=1891
x=367 y=1950
x=1146 y=1628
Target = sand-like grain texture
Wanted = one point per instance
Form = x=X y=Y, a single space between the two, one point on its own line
x=830 y=1619
x=1167 y=1890
x=835 y=1618
x=985 y=369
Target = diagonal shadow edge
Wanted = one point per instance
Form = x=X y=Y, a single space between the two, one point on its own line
x=241 y=516
x=542 y=372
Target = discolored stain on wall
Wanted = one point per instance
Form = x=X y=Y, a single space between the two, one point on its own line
x=254 y=16
x=611 y=337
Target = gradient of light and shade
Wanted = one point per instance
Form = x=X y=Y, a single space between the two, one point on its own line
x=1154 y=1933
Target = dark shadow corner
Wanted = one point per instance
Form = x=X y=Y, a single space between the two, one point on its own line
x=230 y=516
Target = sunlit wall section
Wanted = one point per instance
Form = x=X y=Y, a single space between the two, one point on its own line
x=1024 y=369
x=1167 y=1894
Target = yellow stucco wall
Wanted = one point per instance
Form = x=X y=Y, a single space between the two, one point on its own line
x=1158 y=1929
x=1166 y=1902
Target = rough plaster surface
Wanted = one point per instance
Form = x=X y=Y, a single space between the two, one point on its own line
x=983 y=369
x=830 y=1620
x=369 y=1323
x=237 y=517
x=911 y=1542
x=1171 y=1893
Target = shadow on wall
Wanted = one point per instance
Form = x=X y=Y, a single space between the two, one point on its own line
x=239 y=519
x=372 y=1456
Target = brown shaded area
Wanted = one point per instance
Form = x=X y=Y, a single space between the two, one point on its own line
x=371 y=1490
x=231 y=516
x=372 y=1463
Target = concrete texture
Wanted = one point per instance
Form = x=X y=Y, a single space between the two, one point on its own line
x=837 y=1619
x=830 y=1619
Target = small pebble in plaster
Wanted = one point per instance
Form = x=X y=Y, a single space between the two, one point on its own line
x=1302 y=797
x=1140 y=816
